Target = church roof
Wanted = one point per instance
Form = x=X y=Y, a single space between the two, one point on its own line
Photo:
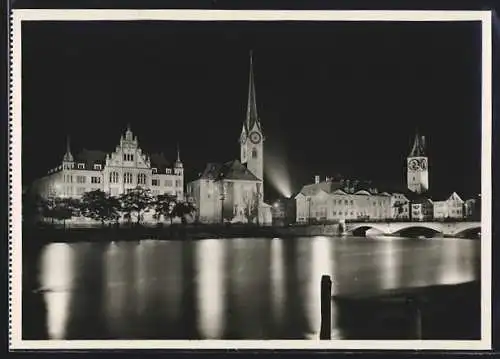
x=232 y=170
x=346 y=186
x=90 y=157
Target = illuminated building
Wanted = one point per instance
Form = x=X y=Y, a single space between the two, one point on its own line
x=234 y=191
x=334 y=200
x=125 y=168
x=451 y=206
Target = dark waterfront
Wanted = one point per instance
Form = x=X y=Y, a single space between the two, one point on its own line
x=251 y=288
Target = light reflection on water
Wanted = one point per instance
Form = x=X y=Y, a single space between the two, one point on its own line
x=231 y=288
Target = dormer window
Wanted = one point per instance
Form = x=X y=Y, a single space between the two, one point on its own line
x=128 y=157
x=97 y=166
x=155 y=170
x=169 y=171
x=81 y=166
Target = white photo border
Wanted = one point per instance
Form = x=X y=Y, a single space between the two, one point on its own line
x=15 y=171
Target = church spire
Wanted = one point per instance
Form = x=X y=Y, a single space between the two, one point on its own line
x=252 y=118
x=418 y=149
x=178 y=153
x=68 y=157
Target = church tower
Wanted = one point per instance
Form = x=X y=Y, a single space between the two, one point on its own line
x=417 y=166
x=252 y=137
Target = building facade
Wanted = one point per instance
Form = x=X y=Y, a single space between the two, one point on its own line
x=125 y=168
x=452 y=207
x=234 y=191
x=339 y=200
x=400 y=205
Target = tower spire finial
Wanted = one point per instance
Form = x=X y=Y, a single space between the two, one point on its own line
x=68 y=157
x=178 y=153
x=252 y=116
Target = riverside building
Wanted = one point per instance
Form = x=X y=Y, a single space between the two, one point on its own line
x=127 y=167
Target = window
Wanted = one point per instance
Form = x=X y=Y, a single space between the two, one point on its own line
x=80 y=179
x=352 y=202
x=254 y=152
x=169 y=171
x=141 y=178
x=345 y=201
x=128 y=157
x=155 y=182
x=97 y=166
x=113 y=177
x=155 y=170
x=80 y=190
x=127 y=177
x=168 y=183
x=95 y=179
x=178 y=183
x=81 y=166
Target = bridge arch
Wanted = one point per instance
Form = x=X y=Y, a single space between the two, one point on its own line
x=417 y=230
x=473 y=229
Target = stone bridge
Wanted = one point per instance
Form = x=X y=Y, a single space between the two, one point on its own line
x=450 y=229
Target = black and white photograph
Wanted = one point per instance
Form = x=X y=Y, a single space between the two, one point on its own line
x=251 y=179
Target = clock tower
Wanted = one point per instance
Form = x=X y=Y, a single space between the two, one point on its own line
x=417 y=166
x=252 y=138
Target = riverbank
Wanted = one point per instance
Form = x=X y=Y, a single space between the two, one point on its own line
x=175 y=232
x=435 y=312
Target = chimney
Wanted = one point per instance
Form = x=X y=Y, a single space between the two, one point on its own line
x=327 y=179
x=316 y=179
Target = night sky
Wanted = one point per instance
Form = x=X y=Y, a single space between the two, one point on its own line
x=333 y=97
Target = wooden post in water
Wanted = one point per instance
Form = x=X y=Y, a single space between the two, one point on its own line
x=326 y=308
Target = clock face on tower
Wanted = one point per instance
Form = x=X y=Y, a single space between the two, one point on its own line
x=413 y=165
x=255 y=137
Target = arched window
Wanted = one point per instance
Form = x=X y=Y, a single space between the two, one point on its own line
x=127 y=177
x=141 y=178
x=113 y=177
x=254 y=152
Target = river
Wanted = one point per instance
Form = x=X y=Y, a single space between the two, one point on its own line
x=252 y=288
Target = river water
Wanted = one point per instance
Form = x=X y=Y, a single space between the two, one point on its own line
x=252 y=288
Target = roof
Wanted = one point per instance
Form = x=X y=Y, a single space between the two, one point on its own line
x=418 y=149
x=346 y=186
x=441 y=195
x=252 y=118
x=159 y=161
x=232 y=170
x=90 y=158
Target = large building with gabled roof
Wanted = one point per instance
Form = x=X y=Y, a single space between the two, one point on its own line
x=234 y=191
x=127 y=167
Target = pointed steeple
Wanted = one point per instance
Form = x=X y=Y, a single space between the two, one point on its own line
x=178 y=163
x=418 y=149
x=252 y=118
x=68 y=156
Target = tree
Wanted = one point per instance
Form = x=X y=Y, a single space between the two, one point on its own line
x=164 y=204
x=182 y=209
x=99 y=206
x=138 y=200
x=60 y=208
x=251 y=209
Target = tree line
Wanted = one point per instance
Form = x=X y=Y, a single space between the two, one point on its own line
x=101 y=206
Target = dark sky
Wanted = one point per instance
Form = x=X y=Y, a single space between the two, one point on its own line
x=332 y=97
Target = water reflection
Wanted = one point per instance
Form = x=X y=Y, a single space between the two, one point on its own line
x=211 y=287
x=231 y=288
x=56 y=280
